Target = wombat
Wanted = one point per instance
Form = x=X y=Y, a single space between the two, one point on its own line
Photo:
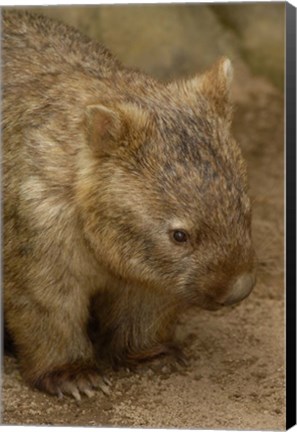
x=125 y=202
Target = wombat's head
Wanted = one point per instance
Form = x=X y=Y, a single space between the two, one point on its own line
x=165 y=191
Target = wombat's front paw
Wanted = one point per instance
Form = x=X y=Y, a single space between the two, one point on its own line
x=171 y=360
x=168 y=354
x=177 y=355
x=74 y=380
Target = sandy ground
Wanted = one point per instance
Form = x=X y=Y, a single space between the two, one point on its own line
x=235 y=373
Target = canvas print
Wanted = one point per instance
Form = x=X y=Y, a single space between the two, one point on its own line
x=143 y=215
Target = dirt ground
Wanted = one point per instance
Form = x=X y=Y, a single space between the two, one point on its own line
x=235 y=373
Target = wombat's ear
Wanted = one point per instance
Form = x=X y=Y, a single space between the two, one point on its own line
x=104 y=128
x=216 y=85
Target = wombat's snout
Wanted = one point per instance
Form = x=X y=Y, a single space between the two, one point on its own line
x=240 y=289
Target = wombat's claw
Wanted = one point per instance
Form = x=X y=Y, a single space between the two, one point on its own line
x=95 y=382
x=102 y=383
x=178 y=355
x=88 y=392
x=106 y=380
x=76 y=395
x=182 y=360
x=105 y=389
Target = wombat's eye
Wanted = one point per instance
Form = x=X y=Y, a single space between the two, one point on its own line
x=179 y=236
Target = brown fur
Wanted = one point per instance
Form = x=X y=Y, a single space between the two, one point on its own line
x=101 y=163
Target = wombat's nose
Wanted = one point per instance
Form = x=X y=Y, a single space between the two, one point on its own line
x=241 y=288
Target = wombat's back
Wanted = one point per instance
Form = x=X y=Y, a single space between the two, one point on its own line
x=49 y=69
x=30 y=39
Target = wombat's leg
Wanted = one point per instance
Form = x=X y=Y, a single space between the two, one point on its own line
x=51 y=342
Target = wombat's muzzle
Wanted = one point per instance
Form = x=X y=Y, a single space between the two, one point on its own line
x=240 y=289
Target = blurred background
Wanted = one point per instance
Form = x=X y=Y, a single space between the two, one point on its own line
x=235 y=377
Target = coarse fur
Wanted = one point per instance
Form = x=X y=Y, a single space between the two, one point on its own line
x=101 y=166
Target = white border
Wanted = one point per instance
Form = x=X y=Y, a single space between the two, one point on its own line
x=111 y=2
x=106 y=2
